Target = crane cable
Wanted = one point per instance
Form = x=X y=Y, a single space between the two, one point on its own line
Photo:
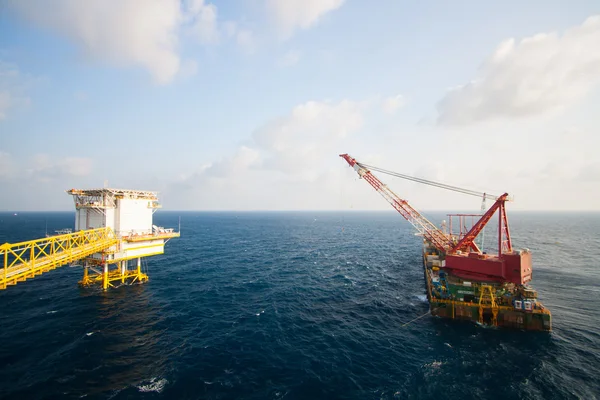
x=413 y=320
x=428 y=182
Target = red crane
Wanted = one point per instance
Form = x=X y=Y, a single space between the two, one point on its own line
x=461 y=254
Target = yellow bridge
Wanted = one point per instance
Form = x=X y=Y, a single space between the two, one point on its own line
x=26 y=260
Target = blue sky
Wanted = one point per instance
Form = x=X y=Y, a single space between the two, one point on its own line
x=246 y=105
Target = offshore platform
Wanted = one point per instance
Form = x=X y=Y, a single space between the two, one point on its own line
x=113 y=232
x=463 y=281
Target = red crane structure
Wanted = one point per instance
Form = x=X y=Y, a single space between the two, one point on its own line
x=460 y=253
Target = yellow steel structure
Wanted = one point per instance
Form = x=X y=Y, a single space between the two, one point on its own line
x=108 y=254
x=486 y=300
x=26 y=260
x=101 y=274
x=106 y=277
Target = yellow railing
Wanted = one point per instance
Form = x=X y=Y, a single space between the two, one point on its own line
x=27 y=259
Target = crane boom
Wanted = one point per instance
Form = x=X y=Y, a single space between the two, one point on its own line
x=432 y=233
x=461 y=255
x=439 y=239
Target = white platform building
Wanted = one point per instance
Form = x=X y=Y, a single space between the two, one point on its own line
x=128 y=213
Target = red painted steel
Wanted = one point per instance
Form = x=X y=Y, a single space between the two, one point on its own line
x=467 y=243
x=506 y=243
x=476 y=268
x=464 y=258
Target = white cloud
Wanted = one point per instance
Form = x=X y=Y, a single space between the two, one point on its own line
x=5 y=103
x=297 y=143
x=590 y=173
x=6 y=165
x=12 y=87
x=244 y=158
x=245 y=40
x=392 y=104
x=45 y=168
x=119 y=32
x=285 y=164
x=188 y=68
x=24 y=178
x=230 y=28
x=203 y=20
x=289 y=59
x=126 y=32
x=528 y=77
x=290 y=15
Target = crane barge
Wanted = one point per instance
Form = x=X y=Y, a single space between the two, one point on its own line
x=464 y=282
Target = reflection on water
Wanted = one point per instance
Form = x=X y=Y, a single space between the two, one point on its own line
x=129 y=344
x=278 y=305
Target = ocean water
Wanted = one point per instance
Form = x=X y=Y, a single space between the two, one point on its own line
x=307 y=305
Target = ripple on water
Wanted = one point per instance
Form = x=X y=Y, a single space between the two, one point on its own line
x=277 y=305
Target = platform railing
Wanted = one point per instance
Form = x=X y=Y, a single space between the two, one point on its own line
x=25 y=260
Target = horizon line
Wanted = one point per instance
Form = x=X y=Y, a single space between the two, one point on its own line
x=315 y=210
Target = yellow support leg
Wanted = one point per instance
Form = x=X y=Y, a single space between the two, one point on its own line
x=123 y=264
x=105 y=277
x=32 y=260
x=139 y=269
x=5 y=266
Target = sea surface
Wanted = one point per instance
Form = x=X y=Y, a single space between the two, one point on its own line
x=297 y=305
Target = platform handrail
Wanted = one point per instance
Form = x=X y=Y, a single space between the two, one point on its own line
x=27 y=259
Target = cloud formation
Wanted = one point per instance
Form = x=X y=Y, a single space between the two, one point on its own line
x=292 y=153
x=392 y=104
x=290 y=15
x=297 y=143
x=5 y=103
x=202 y=18
x=6 y=165
x=243 y=38
x=522 y=78
x=12 y=85
x=45 y=168
x=126 y=32
x=148 y=33
x=289 y=59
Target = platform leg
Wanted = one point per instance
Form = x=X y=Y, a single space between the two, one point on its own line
x=105 y=277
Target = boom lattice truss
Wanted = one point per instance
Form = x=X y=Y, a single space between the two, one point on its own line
x=442 y=241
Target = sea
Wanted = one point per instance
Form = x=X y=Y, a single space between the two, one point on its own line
x=297 y=305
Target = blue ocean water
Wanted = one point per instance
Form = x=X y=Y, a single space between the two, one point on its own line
x=294 y=306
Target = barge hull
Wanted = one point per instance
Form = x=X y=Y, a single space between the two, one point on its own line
x=487 y=303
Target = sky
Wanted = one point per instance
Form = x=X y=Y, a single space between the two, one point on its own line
x=246 y=105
